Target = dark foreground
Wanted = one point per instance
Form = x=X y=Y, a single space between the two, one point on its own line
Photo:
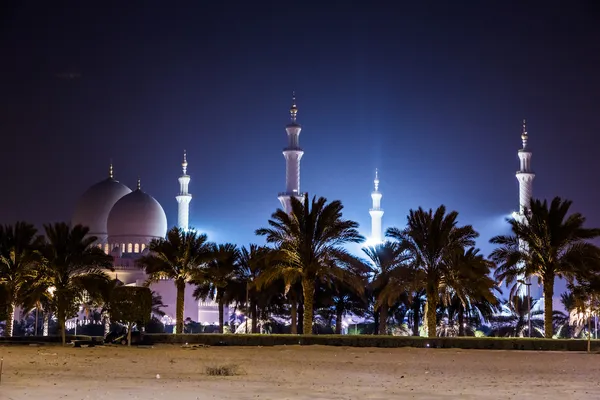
x=295 y=372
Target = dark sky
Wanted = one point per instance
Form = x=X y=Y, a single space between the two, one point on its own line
x=433 y=96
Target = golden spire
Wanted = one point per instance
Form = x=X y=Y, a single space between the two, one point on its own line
x=524 y=135
x=294 y=108
x=184 y=163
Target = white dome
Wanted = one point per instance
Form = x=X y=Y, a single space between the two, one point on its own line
x=94 y=205
x=136 y=218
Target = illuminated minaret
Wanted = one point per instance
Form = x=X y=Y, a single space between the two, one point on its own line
x=525 y=177
x=184 y=197
x=292 y=153
x=376 y=213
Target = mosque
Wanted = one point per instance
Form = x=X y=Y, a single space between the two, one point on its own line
x=125 y=221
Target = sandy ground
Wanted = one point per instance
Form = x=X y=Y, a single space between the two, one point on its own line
x=294 y=372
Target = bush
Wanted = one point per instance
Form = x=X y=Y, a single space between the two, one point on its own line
x=376 y=341
x=46 y=339
x=224 y=370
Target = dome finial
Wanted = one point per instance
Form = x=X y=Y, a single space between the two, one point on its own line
x=294 y=108
x=184 y=163
x=139 y=184
x=110 y=170
x=524 y=135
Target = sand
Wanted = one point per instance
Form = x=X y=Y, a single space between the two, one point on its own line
x=294 y=372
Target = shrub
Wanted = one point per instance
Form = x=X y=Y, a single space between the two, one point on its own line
x=486 y=343
x=223 y=370
x=46 y=339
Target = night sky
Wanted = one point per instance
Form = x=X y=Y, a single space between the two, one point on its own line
x=433 y=96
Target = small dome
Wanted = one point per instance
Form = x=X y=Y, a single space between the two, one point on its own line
x=95 y=204
x=136 y=218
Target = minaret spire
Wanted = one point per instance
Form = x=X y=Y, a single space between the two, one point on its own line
x=293 y=154
x=524 y=136
x=184 y=197
x=376 y=212
x=525 y=177
x=110 y=170
x=294 y=108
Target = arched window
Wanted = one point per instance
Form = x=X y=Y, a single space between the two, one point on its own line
x=106 y=248
x=129 y=247
x=123 y=247
x=136 y=248
x=143 y=246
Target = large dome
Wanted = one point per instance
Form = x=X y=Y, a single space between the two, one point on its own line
x=136 y=218
x=95 y=204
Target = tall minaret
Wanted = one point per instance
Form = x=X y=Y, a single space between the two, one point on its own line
x=525 y=177
x=376 y=213
x=184 y=197
x=292 y=153
x=524 y=174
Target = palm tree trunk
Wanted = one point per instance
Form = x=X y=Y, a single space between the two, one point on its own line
x=376 y=322
x=180 y=285
x=431 y=315
x=383 y=316
x=461 y=321
x=254 y=315
x=106 y=324
x=416 y=316
x=338 y=321
x=548 y=293
x=10 y=319
x=300 y=318
x=129 y=326
x=294 y=318
x=61 y=324
x=308 y=289
x=221 y=315
x=46 y=323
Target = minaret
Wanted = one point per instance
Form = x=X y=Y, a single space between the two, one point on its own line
x=524 y=174
x=292 y=153
x=183 y=198
x=525 y=177
x=376 y=213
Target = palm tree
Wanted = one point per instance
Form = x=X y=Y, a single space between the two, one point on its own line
x=430 y=238
x=469 y=286
x=178 y=257
x=513 y=321
x=253 y=260
x=217 y=279
x=342 y=299
x=386 y=284
x=547 y=244
x=311 y=237
x=73 y=268
x=19 y=254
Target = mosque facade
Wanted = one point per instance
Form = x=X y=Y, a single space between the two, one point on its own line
x=125 y=221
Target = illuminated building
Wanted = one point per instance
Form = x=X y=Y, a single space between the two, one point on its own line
x=376 y=214
x=184 y=197
x=125 y=222
x=293 y=154
x=525 y=177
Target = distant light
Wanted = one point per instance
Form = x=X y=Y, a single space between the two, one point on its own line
x=372 y=242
